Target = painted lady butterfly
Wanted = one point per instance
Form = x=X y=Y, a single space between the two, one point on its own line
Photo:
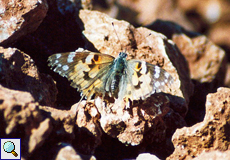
x=96 y=73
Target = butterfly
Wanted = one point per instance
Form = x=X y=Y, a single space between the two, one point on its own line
x=97 y=73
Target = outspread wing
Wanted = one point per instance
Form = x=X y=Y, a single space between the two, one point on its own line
x=86 y=70
x=144 y=79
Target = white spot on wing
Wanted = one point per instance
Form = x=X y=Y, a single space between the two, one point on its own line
x=166 y=74
x=143 y=67
x=58 y=55
x=89 y=58
x=70 y=57
x=156 y=75
x=157 y=72
x=79 y=50
x=65 y=67
x=157 y=84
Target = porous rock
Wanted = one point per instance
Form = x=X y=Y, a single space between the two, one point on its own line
x=206 y=60
x=208 y=11
x=131 y=125
x=214 y=155
x=219 y=34
x=66 y=6
x=207 y=65
x=89 y=132
x=212 y=18
x=147 y=156
x=139 y=123
x=227 y=78
x=66 y=151
x=22 y=118
x=18 y=71
x=149 y=11
x=19 y=18
x=144 y=12
x=63 y=121
x=210 y=135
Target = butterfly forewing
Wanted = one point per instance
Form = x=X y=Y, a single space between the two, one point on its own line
x=87 y=70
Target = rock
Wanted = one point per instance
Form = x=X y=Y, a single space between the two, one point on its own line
x=66 y=7
x=147 y=156
x=8 y=98
x=67 y=152
x=210 y=18
x=213 y=155
x=206 y=60
x=22 y=118
x=144 y=12
x=227 y=78
x=18 y=18
x=209 y=11
x=63 y=120
x=88 y=132
x=39 y=135
x=169 y=28
x=147 y=118
x=207 y=64
x=218 y=34
x=210 y=135
x=60 y=150
x=18 y=71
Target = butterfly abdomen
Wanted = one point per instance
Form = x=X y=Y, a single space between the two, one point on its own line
x=117 y=71
x=115 y=84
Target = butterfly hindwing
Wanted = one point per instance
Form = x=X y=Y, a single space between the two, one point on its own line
x=145 y=79
x=86 y=70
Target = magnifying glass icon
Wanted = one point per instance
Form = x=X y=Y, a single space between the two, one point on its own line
x=9 y=147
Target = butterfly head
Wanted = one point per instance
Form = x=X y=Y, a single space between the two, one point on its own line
x=123 y=55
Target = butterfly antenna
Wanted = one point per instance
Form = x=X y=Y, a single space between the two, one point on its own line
x=145 y=37
x=117 y=35
x=141 y=39
x=120 y=41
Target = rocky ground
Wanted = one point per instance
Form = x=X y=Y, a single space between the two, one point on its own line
x=189 y=39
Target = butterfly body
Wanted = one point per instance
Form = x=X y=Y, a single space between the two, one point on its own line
x=116 y=75
x=96 y=73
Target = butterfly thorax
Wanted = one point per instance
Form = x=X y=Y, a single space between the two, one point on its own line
x=117 y=72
